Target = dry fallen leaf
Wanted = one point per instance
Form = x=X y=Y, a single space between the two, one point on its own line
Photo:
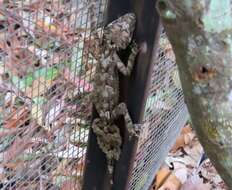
x=14 y=165
x=78 y=82
x=17 y=118
x=36 y=36
x=172 y=183
x=195 y=183
x=180 y=142
x=181 y=172
x=186 y=129
x=209 y=173
x=185 y=138
x=184 y=158
x=18 y=147
x=161 y=176
x=38 y=87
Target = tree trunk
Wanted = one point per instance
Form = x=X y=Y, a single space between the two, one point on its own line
x=200 y=32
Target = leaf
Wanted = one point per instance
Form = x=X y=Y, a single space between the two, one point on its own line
x=83 y=85
x=161 y=177
x=15 y=64
x=34 y=5
x=6 y=142
x=48 y=73
x=38 y=87
x=53 y=29
x=27 y=82
x=47 y=27
x=14 y=165
x=17 y=118
x=183 y=139
x=172 y=183
x=40 y=53
x=194 y=150
x=5 y=133
x=209 y=173
x=51 y=73
x=22 y=83
x=18 y=147
x=186 y=129
x=181 y=174
x=54 y=112
x=195 y=183
x=180 y=142
x=39 y=100
x=37 y=114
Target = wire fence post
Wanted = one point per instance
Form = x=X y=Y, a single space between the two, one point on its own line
x=132 y=91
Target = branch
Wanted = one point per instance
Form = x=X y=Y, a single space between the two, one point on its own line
x=200 y=32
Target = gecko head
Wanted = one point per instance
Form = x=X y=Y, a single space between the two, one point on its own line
x=118 y=33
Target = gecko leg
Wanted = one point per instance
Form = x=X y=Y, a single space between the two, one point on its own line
x=126 y=70
x=121 y=109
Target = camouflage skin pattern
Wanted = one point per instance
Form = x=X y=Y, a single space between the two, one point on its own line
x=105 y=97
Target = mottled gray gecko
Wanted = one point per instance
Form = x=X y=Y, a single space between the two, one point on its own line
x=116 y=36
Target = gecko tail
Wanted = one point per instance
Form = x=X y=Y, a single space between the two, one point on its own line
x=111 y=170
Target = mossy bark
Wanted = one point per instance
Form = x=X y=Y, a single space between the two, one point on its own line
x=200 y=32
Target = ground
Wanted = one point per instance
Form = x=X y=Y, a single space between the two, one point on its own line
x=186 y=169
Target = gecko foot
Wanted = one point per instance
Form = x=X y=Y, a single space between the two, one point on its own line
x=108 y=138
x=121 y=109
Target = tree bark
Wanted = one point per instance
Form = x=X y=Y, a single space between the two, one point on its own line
x=200 y=32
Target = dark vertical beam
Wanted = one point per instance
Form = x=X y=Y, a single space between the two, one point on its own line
x=132 y=91
x=95 y=174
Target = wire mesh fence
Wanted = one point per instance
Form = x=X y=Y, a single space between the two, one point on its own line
x=45 y=80
x=165 y=114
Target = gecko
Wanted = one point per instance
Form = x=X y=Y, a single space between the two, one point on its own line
x=105 y=96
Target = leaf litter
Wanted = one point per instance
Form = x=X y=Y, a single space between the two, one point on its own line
x=45 y=82
x=184 y=168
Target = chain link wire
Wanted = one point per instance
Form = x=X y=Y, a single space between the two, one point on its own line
x=165 y=114
x=45 y=82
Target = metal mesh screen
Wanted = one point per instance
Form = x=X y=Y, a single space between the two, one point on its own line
x=45 y=79
x=165 y=114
